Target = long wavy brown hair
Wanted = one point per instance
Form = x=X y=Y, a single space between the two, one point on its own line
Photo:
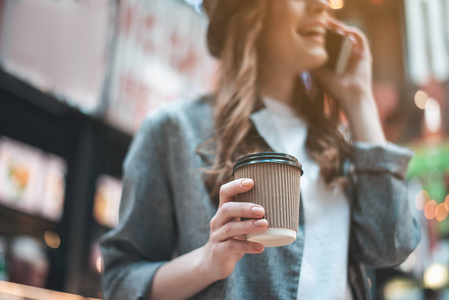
x=237 y=96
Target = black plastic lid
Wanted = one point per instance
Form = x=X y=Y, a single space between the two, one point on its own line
x=267 y=157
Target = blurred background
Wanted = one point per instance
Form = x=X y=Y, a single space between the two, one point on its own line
x=78 y=76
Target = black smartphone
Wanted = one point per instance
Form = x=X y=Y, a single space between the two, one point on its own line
x=339 y=48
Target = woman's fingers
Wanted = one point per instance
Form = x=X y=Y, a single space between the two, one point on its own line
x=233 y=229
x=229 y=190
x=236 y=246
x=357 y=36
x=231 y=210
x=227 y=231
x=339 y=26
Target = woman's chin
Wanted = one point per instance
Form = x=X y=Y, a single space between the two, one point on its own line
x=316 y=64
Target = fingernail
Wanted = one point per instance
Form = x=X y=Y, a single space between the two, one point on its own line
x=258 y=246
x=257 y=210
x=260 y=223
x=246 y=183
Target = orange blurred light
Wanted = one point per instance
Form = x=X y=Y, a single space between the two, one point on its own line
x=421 y=99
x=421 y=199
x=52 y=239
x=336 y=4
x=446 y=203
x=441 y=212
x=429 y=210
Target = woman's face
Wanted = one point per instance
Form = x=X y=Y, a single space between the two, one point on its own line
x=293 y=38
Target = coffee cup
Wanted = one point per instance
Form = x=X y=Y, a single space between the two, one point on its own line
x=276 y=188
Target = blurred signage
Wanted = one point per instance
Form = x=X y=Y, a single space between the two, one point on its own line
x=107 y=201
x=60 y=47
x=160 y=55
x=427 y=29
x=30 y=180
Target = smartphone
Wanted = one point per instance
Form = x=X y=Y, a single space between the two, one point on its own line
x=339 y=48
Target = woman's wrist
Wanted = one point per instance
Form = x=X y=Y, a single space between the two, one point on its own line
x=356 y=100
x=202 y=266
x=364 y=120
x=182 y=277
x=362 y=102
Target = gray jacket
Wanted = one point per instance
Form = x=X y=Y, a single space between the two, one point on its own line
x=166 y=210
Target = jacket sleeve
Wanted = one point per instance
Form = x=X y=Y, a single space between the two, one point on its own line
x=383 y=231
x=146 y=235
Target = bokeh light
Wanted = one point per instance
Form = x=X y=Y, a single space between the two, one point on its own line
x=436 y=276
x=432 y=115
x=399 y=288
x=421 y=199
x=421 y=98
x=99 y=264
x=52 y=239
x=429 y=209
x=336 y=4
x=446 y=203
x=441 y=212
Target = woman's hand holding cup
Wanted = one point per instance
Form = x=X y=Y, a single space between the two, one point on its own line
x=227 y=244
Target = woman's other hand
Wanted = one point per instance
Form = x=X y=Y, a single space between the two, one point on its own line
x=226 y=243
x=353 y=88
x=355 y=84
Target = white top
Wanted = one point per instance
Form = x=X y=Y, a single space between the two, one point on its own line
x=326 y=211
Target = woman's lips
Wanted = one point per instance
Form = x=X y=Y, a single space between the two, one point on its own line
x=316 y=38
x=314 y=32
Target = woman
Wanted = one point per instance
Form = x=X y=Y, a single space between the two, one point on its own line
x=179 y=234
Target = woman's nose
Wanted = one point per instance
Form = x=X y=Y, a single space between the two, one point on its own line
x=318 y=6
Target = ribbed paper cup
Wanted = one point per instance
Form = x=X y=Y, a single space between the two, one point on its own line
x=276 y=179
